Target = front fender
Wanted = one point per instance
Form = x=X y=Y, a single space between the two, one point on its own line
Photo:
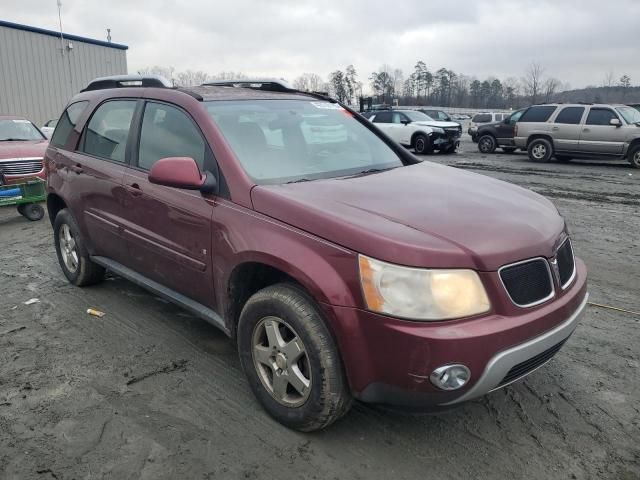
x=328 y=271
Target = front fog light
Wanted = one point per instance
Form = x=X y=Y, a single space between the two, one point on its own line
x=450 y=377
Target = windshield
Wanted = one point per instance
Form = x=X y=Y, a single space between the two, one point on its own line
x=280 y=141
x=418 y=116
x=18 y=129
x=630 y=115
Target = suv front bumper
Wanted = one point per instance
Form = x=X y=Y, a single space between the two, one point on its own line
x=389 y=361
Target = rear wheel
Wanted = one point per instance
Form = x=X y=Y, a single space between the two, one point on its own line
x=421 y=144
x=634 y=156
x=72 y=253
x=540 y=150
x=487 y=144
x=291 y=360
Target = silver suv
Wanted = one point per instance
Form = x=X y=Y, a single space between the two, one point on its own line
x=565 y=131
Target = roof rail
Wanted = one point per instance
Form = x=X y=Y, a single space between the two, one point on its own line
x=269 y=84
x=124 y=81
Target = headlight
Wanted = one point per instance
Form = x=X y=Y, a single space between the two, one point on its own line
x=437 y=129
x=421 y=294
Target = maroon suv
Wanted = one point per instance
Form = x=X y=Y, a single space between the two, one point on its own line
x=340 y=264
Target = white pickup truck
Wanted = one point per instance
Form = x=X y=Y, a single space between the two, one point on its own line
x=417 y=130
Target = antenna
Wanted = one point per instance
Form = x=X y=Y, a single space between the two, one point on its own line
x=60 y=22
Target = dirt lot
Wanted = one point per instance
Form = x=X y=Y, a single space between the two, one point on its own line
x=150 y=392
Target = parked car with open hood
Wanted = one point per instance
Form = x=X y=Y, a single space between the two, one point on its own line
x=414 y=129
x=22 y=148
x=340 y=264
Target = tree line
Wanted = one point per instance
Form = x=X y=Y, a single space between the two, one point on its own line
x=442 y=87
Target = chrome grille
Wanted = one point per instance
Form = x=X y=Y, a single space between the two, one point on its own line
x=23 y=166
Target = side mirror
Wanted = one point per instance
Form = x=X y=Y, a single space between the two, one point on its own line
x=405 y=122
x=182 y=172
x=507 y=120
x=615 y=122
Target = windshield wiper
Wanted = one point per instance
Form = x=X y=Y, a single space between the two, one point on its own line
x=299 y=180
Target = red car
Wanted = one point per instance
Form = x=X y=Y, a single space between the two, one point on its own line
x=341 y=265
x=22 y=148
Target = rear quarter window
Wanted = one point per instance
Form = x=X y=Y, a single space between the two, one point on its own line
x=538 y=114
x=67 y=122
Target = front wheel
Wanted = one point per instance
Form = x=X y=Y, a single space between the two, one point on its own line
x=540 y=150
x=291 y=360
x=634 y=156
x=421 y=144
x=487 y=144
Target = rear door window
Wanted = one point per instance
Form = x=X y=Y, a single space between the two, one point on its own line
x=108 y=130
x=382 y=117
x=600 y=116
x=538 y=114
x=67 y=122
x=570 y=115
x=482 y=118
x=168 y=132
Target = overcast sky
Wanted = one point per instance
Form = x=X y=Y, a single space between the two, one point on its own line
x=576 y=41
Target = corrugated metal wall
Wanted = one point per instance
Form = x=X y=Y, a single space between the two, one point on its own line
x=37 y=80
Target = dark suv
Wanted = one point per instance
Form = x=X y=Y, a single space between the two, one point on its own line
x=341 y=265
x=499 y=135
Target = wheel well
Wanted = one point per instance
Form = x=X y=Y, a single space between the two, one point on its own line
x=247 y=279
x=535 y=137
x=634 y=143
x=415 y=135
x=54 y=205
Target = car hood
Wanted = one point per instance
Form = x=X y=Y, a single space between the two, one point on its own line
x=436 y=123
x=424 y=215
x=26 y=149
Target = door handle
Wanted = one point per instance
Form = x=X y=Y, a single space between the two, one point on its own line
x=586 y=130
x=134 y=190
x=77 y=168
x=555 y=129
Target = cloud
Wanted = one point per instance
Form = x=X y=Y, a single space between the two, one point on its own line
x=576 y=41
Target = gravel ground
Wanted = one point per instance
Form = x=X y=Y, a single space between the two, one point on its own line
x=149 y=392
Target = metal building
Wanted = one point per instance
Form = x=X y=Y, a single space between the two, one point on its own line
x=40 y=70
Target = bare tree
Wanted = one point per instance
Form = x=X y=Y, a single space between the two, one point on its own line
x=166 y=72
x=550 y=87
x=190 y=78
x=609 y=79
x=309 y=82
x=533 y=81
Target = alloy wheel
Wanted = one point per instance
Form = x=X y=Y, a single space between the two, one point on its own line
x=485 y=145
x=68 y=248
x=281 y=361
x=539 y=151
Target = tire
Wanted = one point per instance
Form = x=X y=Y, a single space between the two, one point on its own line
x=31 y=211
x=487 y=144
x=450 y=150
x=509 y=149
x=325 y=395
x=563 y=158
x=634 y=156
x=540 y=150
x=85 y=272
x=421 y=144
